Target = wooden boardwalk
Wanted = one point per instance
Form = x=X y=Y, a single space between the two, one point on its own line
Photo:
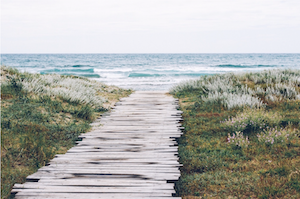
x=130 y=153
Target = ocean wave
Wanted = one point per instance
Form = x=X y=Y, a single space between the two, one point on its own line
x=69 y=70
x=243 y=66
x=113 y=75
x=77 y=66
x=113 y=70
x=89 y=75
x=144 y=75
x=191 y=74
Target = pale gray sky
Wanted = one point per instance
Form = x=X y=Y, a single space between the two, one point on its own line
x=150 y=26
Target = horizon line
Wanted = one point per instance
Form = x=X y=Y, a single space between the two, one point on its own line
x=153 y=53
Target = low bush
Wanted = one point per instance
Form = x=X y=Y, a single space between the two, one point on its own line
x=274 y=135
x=252 y=120
x=238 y=139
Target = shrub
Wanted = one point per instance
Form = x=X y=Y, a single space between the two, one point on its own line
x=81 y=91
x=274 y=135
x=238 y=139
x=278 y=92
x=251 y=120
x=233 y=100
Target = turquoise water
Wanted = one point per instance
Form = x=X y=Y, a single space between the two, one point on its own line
x=147 y=71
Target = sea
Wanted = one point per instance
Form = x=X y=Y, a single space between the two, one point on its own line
x=147 y=71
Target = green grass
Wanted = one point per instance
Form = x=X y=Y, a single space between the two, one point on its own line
x=215 y=168
x=36 y=126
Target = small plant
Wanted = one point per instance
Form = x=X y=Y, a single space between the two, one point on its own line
x=233 y=100
x=250 y=120
x=274 y=135
x=238 y=139
x=81 y=91
x=279 y=92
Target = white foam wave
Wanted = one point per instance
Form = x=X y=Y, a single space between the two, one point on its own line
x=101 y=70
x=112 y=75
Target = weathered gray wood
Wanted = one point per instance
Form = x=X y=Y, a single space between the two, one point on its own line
x=129 y=153
x=90 y=189
x=121 y=165
x=92 y=196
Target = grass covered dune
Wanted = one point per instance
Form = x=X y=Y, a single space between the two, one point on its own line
x=42 y=115
x=241 y=136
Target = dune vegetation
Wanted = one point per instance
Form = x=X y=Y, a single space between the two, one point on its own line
x=42 y=115
x=241 y=137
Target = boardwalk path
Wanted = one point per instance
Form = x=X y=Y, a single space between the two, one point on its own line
x=129 y=154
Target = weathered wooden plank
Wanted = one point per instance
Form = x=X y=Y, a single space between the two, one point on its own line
x=99 y=184
x=94 y=196
x=106 y=181
x=129 y=137
x=103 y=172
x=109 y=148
x=115 y=161
x=126 y=134
x=110 y=170
x=157 y=142
x=127 y=154
x=90 y=189
x=116 y=116
x=121 y=165
x=141 y=157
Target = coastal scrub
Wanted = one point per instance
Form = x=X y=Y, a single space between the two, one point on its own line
x=241 y=137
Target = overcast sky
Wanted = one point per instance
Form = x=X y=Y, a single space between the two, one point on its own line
x=150 y=26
